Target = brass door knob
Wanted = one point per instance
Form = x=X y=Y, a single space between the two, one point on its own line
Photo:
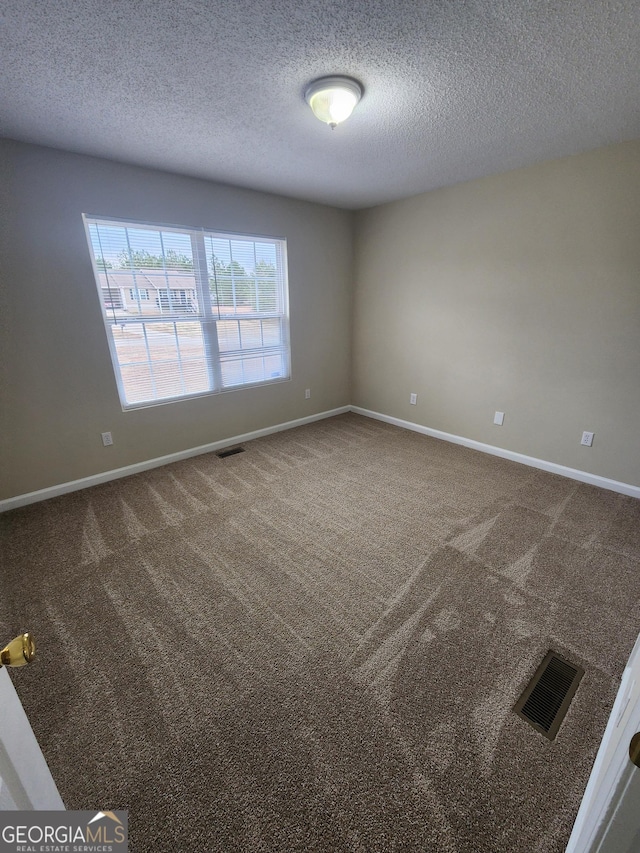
x=19 y=651
x=634 y=749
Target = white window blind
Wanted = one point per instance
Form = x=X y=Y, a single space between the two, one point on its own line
x=187 y=311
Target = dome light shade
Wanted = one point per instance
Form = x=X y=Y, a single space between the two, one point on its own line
x=333 y=99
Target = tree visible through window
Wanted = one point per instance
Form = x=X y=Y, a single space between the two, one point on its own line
x=189 y=312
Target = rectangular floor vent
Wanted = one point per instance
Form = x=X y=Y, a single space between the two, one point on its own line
x=549 y=693
x=230 y=451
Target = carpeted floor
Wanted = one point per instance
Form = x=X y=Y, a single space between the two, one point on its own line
x=316 y=645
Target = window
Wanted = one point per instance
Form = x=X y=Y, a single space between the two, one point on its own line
x=189 y=312
x=136 y=293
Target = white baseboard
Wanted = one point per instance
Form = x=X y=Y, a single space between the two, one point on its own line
x=552 y=467
x=105 y=476
x=116 y=473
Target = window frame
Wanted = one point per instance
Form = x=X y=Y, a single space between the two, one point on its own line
x=208 y=316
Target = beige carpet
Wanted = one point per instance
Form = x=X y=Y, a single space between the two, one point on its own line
x=316 y=645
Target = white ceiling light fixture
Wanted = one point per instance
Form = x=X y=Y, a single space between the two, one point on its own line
x=333 y=99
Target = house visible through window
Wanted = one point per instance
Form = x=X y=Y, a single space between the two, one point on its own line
x=189 y=312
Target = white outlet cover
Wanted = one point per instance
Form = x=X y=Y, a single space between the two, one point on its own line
x=587 y=439
x=413 y=399
x=107 y=439
x=498 y=418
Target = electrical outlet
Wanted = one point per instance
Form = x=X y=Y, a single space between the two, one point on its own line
x=498 y=418
x=587 y=439
x=107 y=439
x=413 y=399
x=307 y=393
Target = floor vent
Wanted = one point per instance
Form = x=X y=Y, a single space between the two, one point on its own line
x=549 y=693
x=230 y=451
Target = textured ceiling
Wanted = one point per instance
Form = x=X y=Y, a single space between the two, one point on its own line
x=454 y=89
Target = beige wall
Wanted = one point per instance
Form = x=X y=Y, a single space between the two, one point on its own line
x=58 y=391
x=518 y=293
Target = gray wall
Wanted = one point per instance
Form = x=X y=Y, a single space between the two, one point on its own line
x=58 y=391
x=519 y=293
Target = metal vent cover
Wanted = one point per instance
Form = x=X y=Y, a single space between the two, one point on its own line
x=548 y=695
x=229 y=451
